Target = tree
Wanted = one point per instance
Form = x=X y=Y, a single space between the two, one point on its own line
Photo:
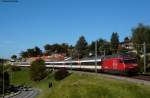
x=92 y=47
x=4 y=72
x=24 y=54
x=126 y=40
x=38 y=70
x=64 y=47
x=101 y=43
x=48 y=49
x=114 y=41
x=70 y=52
x=14 y=57
x=61 y=74
x=31 y=52
x=81 y=47
x=141 y=34
x=103 y=46
x=37 y=51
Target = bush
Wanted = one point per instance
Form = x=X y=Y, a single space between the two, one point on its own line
x=61 y=74
x=15 y=68
x=6 y=81
x=141 y=63
x=38 y=70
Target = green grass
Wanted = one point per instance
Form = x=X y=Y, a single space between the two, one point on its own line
x=84 y=86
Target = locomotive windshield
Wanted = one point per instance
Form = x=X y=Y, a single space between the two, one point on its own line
x=130 y=61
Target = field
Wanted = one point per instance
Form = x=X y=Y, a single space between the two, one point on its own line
x=82 y=85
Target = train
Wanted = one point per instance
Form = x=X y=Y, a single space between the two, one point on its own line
x=115 y=64
x=119 y=64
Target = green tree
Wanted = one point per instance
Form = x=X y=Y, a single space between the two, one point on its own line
x=31 y=52
x=101 y=43
x=126 y=40
x=64 y=47
x=38 y=70
x=114 y=41
x=4 y=72
x=141 y=34
x=81 y=47
x=48 y=49
x=92 y=47
x=100 y=46
x=14 y=57
x=37 y=51
x=24 y=54
x=103 y=46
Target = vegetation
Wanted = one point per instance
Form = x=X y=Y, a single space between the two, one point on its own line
x=38 y=70
x=141 y=63
x=33 y=52
x=79 y=85
x=4 y=76
x=15 y=68
x=81 y=48
x=92 y=86
x=61 y=74
x=104 y=45
x=114 y=41
x=56 y=48
x=14 y=57
x=126 y=40
x=141 y=34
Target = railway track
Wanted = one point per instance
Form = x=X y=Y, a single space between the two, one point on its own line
x=141 y=77
x=136 y=80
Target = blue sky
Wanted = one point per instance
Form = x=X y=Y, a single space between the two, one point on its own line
x=30 y=23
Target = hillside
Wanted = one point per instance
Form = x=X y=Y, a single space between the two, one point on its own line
x=83 y=86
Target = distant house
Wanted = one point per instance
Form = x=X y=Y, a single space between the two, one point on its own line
x=127 y=45
x=53 y=57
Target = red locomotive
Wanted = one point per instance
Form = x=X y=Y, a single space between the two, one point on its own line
x=119 y=64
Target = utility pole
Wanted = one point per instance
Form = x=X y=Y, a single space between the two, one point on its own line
x=79 y=60
x=104 y=53
x=3 y=80
x=53 y=67
x=144 y=47
x=96 y=56
x=71 y=59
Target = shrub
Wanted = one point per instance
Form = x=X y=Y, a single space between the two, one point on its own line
x=38 y=70
x=141 y=63
x=6 y=78
x=15 y=68
x=61 y=74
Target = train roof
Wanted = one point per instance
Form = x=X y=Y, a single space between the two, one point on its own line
x=123 y=56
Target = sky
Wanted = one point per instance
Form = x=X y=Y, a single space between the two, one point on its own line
x=28 y=23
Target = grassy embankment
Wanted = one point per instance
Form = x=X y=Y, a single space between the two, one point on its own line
x=83 y=86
